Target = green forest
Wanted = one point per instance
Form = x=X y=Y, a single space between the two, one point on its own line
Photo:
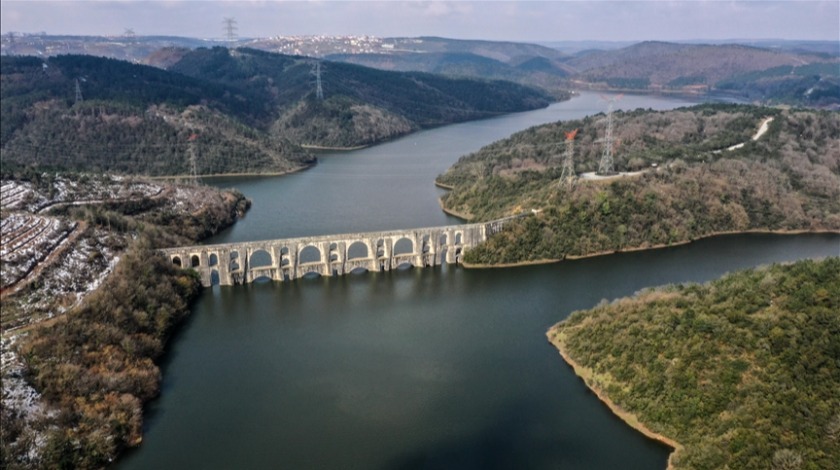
x=361 y=105
x=132 y=119
x=743 y=372
x=219 y=111
x=687 y=186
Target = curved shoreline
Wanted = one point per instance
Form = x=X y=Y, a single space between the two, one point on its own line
x=652 y=247
x=585 y=374
x=327 y=147
x=452 y=212
x=509 y=265
x=228 y=175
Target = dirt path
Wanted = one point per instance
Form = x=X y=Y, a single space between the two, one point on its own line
x=762 y=129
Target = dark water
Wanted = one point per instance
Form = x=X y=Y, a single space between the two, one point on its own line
x=435 y=368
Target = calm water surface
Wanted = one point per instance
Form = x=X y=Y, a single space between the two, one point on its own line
x=432 y=368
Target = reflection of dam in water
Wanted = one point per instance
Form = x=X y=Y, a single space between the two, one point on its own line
x=287 y=259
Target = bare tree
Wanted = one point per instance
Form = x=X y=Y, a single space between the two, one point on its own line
x=832 y=429
x=786 y=459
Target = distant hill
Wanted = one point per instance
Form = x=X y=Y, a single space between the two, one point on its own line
x=498 y=50
x=528 y=64
x=361 y=105
x=663 y=62
x=125 y=47
x=691 y=67
x=543 y=72
x=699 y=68
x=321 y=46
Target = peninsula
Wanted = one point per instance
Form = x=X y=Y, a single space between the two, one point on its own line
x=737 y=373
x=691 y=173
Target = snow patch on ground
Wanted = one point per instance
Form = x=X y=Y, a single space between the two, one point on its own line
x=20 y=399
x=26 y=241
x=55 y=190
x=66 y=282
x=17 y=393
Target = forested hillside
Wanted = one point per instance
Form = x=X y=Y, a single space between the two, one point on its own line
x=801 y=73
x=753 y=73
x=132 y=119
x=742 y=372
x=550 y=74
x=360 y=105
x=788 y=179
x=221 y=111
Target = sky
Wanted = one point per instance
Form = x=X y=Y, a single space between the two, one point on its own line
x=525 y=21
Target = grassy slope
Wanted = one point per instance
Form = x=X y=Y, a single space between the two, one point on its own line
x=743 y=372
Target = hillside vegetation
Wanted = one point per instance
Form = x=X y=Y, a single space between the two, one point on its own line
x=801 y=73
x=548 y=73
x=96 y=327
x=789 y=179
x=742 y=372
x=766 y=74
x=221 y=111
x=361 y=105
x=132 y=119
x=749 y=72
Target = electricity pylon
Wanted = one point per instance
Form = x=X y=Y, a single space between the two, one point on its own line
x=607 y=166
x=78 y=92
x=567 y=174
x=193 y=164
x=319 y=89
x=230 y=28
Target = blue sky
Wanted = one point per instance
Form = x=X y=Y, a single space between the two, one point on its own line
x=497 y=20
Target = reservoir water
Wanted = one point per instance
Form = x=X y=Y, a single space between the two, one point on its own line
x=418 y=368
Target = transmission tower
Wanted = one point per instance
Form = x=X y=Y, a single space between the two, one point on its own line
x=193 y=163
x=607 y=167
x=230 y=28
x=78 y=92
x=567 y=174
x=319 y=90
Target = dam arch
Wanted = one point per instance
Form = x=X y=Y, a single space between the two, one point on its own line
x=330 y=255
